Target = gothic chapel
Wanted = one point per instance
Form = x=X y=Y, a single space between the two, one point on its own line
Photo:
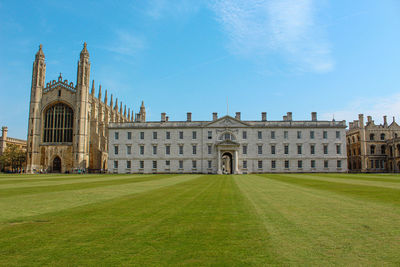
x=67 y=128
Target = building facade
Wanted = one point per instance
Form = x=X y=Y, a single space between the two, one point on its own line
x=67 y=128
x=227 y=145
x=372 y=147
x=5 y=141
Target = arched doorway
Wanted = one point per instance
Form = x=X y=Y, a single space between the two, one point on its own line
x=227 y=163
x=57 y=164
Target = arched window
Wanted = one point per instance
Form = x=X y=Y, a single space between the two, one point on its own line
x=227 y=136
x=372 y=149
x=383 y=149
x=58 y=124
x=382 y=136
x=371 y=137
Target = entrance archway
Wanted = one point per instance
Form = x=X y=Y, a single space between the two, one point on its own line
x=56 y=164
x=227 y=163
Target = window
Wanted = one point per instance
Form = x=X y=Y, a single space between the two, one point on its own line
x=372 y=137
x=372 y=149
x=116 y=135
x=181 y=164
x=299 y=164
x=244 y=164
x=194 y=135
x=115 y=150
x=209 y=134
x=129 y=135
x=313 y=164
x=312 y=149
x=142 y=135
x=141 y=150
x=383 y=136
x=259 y=134
x=244 y=135
x=311 y=134
x=244 y=150
x=273 y=164
x=260 y=164
x=338 y=149
x=154 y=164
x=286 y=134
x=339 y=164
x=115 y=164
x=59 y=92
x=180 y=150
x=128 y=150
x=326 y=164
x=325 y=149
x=167 y=150
x=194 y=148
x=58 y=124
x=286 y=164
x=154 y=135
x=209 y=148
x=286 y=149
x=128 y=164
x=298 y=134
x=272 y=134
x=325 y=134
x=337 y=134
x=154 y=150
x=209 y=164
x=167 y=163
x=168 y=135
x=141 y=164
x=259 y=150
x=180 y=135
x=299 y=148
x=194 y=164
x=383 y=149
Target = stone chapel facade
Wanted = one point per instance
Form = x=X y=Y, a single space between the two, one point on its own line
x=67 y=128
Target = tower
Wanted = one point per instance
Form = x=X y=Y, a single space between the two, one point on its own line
x=34 y=124
x=142 y=113
x=3 y=139
x=81 y=140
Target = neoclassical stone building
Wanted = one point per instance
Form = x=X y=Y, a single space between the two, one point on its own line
x=6 y=140
x=372 y=147
x=67 y=126
x=227 y=145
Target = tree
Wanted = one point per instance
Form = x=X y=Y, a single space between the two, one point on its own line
x=13 y=158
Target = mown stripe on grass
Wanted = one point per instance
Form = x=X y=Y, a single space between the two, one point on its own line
x=51 y=178
x=28 y=205
x=381 y=177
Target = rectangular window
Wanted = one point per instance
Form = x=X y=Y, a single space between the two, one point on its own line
x=128 y=150
x=116 y=135
x=259 y=150
x=141 y=150
x=128 y=164
x=115 y=164
x=209 y=149
x=141 y=164
x=129 y=135
x=154 y=135
x=339 y=164
x=194 y=135
x=154 y=164
x=168 y=135
x=298 y=134
x=259 y=134
x=181 y=164
x=337 y=134
x=273 y=164
x=312 y=149
x=299 y=164
x=325 y=135
x=194 y=164
x=180 y=150
x=326 y=164
x=209 y=134
x=244 y=164
x=260 y=164
x=311 y=134
x=180 y=135
x=286 y=149
x=272 y=134
x=194 y=148
x=116 y=150
x=286 y=164
x=338 y=149
x=273 y=149
x=167 y=150
x=325 y=149
x=244 y=150
x=244 y=135
x=313 y=164
x=209 y=164
x=299 y=149
x=167 y=163
x=285 y=134
x=154 y=150
x=142 y=135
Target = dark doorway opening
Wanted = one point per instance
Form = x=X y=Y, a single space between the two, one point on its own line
x=57 y=164
x=227 y=163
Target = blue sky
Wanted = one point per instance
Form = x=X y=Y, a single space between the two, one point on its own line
x=337 y=57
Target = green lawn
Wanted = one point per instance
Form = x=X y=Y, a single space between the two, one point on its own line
x=275 y=219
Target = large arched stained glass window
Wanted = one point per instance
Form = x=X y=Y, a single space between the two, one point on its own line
x=58 y=124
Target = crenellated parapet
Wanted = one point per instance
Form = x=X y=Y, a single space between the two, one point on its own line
x=59 y=83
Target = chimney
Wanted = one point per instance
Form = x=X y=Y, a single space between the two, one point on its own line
x=237 y=116
x=369 y=118
x=263 y=116
x=163 y=117
x=284 y=118
x=361 y=120
x=350 y=125
x=385 y=120
x=189 y=116
x=289 y=116
x=215 y=116
x=313 y=116
x=167 y=118
x=4 y=131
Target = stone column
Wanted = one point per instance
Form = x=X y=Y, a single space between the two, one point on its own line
x=236 y=162
x=219 y=171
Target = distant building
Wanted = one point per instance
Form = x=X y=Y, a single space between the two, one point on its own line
x=5 y=141
x=373 y=148
x=227 y=145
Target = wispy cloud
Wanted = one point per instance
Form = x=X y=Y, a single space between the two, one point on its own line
x=261 y=27
x=375 y=107
x=158 y=9
x=126 y=43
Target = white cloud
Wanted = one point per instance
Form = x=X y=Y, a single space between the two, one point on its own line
x=261 y=27
x=375 y=107
x=126 y=43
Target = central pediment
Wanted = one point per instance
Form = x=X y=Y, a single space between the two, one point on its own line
x=227 y=121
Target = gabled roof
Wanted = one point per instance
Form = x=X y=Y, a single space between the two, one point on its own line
x=227 y=121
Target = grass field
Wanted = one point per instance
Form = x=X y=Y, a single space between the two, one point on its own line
x=277 y=219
